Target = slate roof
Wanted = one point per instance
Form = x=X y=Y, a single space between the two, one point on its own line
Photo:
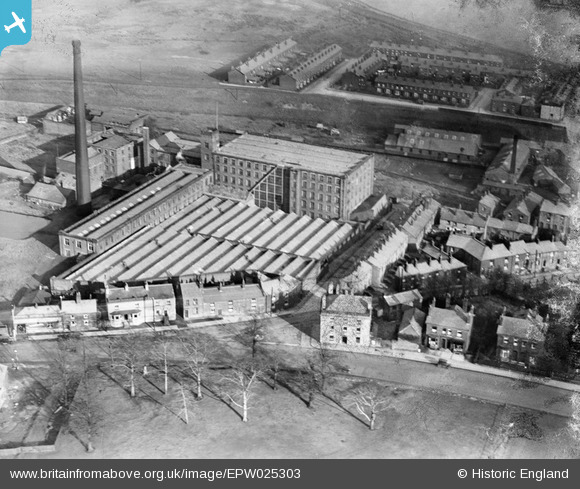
x=156 y=291
x=35 y=296
x=348 y=304
x=412 y=324
x=461 y=216
x=455 y=318
x=48 y=193
x=559 y=208
x=406 y=297
x=524 y=328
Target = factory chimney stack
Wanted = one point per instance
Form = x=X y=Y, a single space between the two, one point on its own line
x=81 y=153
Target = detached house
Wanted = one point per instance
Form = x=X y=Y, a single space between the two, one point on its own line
x=520 y=340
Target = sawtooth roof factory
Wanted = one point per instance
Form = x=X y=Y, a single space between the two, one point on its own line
x=214 y=238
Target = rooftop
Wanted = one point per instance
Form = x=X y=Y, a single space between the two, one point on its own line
x=526 y=328
x=299 y=156
x=111 y=142
x=215 y=234
x=429 y=84
x=411 y=48
x=48 y=193
x=136 y=202
x=455 y=318
x=558 y=208
x=155 y=291
x=407 y=297
x=348 y=304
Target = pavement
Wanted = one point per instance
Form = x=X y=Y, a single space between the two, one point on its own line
x=286 y=330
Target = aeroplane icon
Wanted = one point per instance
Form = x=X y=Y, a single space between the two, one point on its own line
x=17 y=23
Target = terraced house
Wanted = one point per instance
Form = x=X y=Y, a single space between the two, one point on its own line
x=425 y=90
x=311 y=68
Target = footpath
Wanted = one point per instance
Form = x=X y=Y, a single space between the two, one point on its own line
x=443 y=358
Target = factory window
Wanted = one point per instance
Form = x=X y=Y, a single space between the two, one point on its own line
x=248 y=183
x=248 y=173
x=66 y=242
x=304 y=193
x=319 y=207
x=328 y=208
x=312 y=195
x=186 y=313
x=312 y=205
x=303 y=203
x=226 y=161
x=358 y=339
x=79 y=244
x=321 y=178
x=225 y=179
x=321 y=188
x=328 y=198
x=329 y=180
x=329 y=188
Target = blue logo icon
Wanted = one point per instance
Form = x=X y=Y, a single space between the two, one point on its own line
x=16 y=22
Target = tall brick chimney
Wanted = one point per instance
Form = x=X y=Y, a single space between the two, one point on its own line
x=514 y=156
x=146 y=147
x=81 y=152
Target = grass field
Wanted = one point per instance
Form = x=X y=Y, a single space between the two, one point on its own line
x=417 y=424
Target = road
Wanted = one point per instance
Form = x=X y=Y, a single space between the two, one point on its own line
x=409 y=373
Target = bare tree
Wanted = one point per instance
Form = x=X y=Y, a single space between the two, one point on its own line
x=254 y=333
x=85 y=411
x=240 y=384
x=127 y=353
x=274 y=362
x=162 y=344
x=322 y=363
x=198 y=349
x=369 y=399
x=66 y=372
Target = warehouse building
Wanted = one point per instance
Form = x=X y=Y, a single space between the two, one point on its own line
x=151 y=203
x=435 y=144
x=293 y=177
x=214 y=238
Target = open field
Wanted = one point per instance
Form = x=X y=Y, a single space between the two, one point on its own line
x=417 y=424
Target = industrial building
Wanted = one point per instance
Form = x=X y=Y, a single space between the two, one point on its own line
x=170 y=149
x=435 y=144
x=213 y=238
x=502 y=177
x=294 y=177
x=311 y=68
x=151 y=203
